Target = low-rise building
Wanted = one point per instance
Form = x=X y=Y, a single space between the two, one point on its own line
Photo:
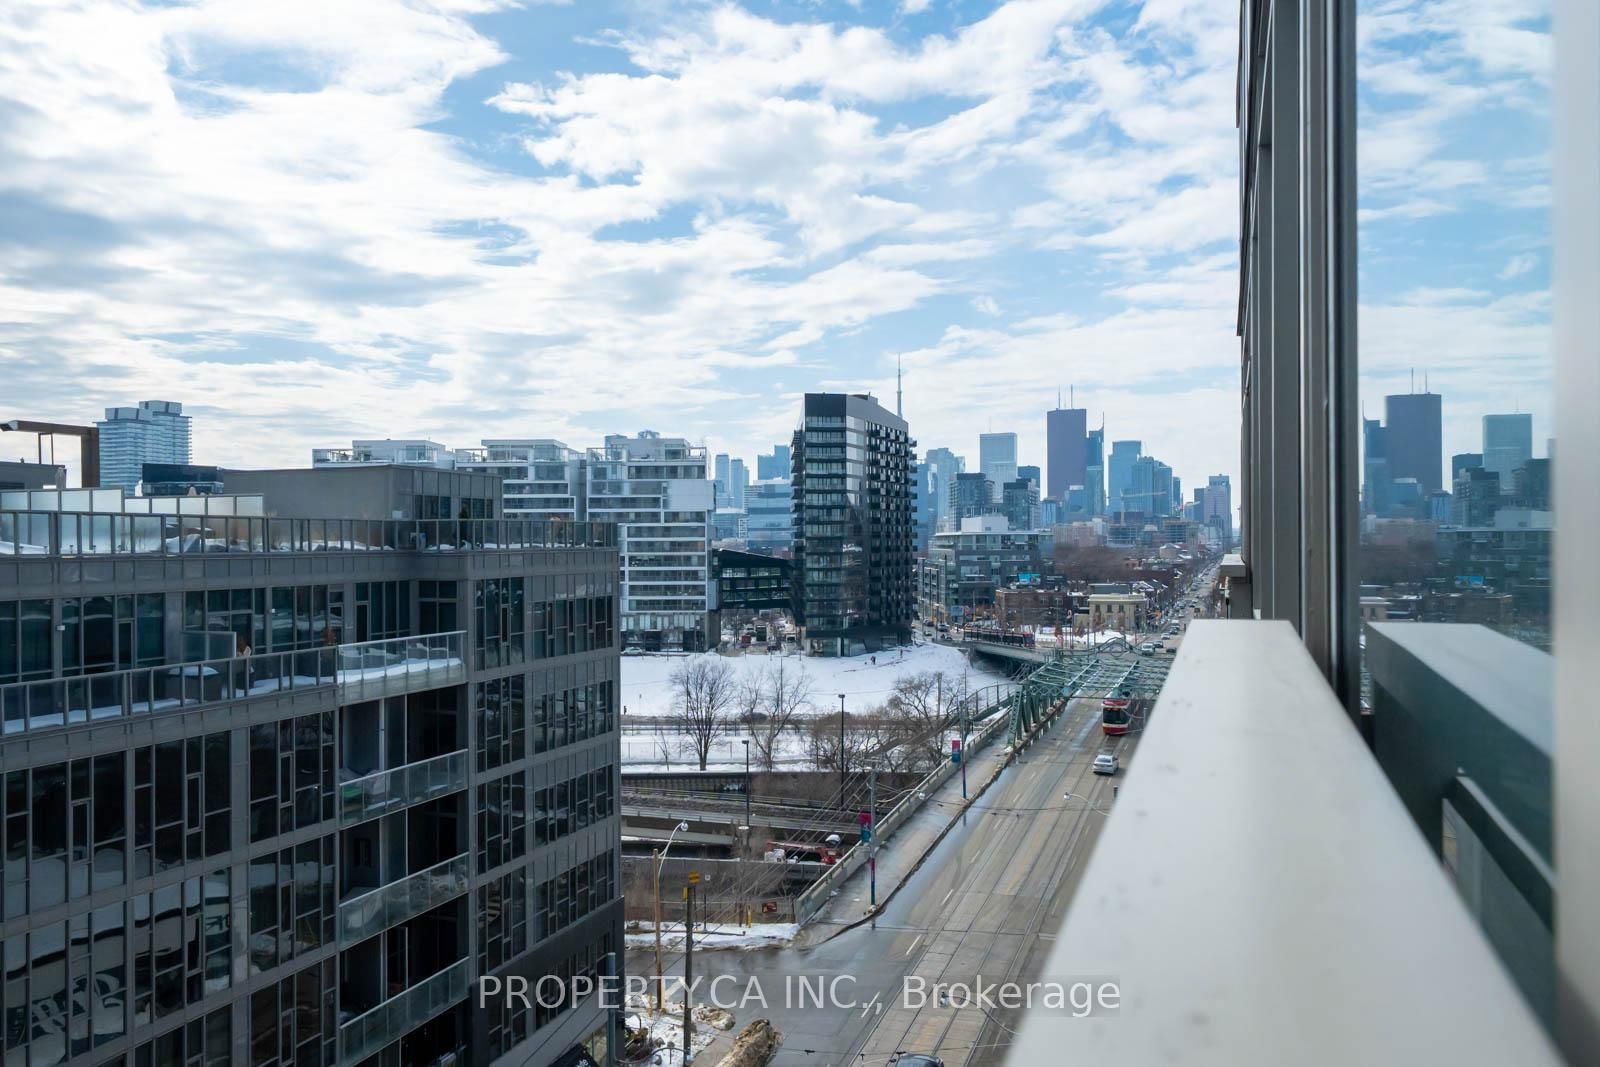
x=963 y=569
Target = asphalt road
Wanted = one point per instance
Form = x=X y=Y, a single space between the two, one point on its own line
x=986 y=902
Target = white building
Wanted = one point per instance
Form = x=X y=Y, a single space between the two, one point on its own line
x=412 y=451
x=655 y=489
x=157 y=431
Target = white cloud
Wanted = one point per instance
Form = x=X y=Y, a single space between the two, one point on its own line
x=257 y=202
x=1518 y=265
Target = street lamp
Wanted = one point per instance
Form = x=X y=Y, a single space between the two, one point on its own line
x=1087 y=802
x=661 y=857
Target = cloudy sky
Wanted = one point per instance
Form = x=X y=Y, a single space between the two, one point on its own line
x=311 y=221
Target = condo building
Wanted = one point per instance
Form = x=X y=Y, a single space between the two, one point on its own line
x=286 y=771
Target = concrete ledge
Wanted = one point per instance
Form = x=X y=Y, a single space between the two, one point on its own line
x=1261 y=896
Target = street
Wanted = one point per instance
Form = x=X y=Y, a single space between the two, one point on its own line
x=982 y=904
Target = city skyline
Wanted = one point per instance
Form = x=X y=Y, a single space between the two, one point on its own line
x=553 y=260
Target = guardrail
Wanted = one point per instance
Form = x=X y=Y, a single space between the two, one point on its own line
x=378 y=909
x=809 y=902
x=400 y=1014
x=372 y=669
x=400 y=787
x=363 y=671
x=28 y=706
x=77 y=534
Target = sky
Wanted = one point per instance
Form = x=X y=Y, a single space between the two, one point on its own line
x=311 y=222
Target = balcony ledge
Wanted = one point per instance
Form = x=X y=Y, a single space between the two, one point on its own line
x=1261 y=896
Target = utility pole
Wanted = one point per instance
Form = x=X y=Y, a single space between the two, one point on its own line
x=655 y=854
x=841 y=750
x=688 y=966
x=872 y=832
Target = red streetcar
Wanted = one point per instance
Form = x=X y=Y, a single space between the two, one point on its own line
x=1116 y=713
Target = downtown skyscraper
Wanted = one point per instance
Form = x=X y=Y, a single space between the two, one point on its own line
x=1066 y=450
x=1413 y=437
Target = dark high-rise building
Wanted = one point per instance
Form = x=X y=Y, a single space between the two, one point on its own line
x=854 y=547
x=1030 y=473
x=1019 y=503
x=971 y=494
x=1463 y=461
x=1476 y=497
x=282 y=783
x=1413 y=435
x=1066 y=449
x=1531 y=483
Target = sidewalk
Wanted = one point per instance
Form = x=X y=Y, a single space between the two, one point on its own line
x=899 y=856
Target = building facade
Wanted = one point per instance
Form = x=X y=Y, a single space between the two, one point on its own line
x=281 y=789
x=997 y=458
x=157 y=431
x=1507 y=443
x=655 y=489
x=854 y=548
x=1119 y=473
x=963 y=569
x=769 y=516
x=1066 y=449
x=1414 y=438
x=543 y=477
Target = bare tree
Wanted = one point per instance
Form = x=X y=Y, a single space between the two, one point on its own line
x=860 y=741
x=702 y=689
x=785 y=691
x=919 y=711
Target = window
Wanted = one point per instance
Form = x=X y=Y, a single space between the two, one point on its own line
x=293 y=1022
x=569 y=896
x=502 y=920
x=1458 y=439
x=571 y=715
x=383 y=610
x=436 y=608
x=292 y=909
x=497 y=608
x=180 y=801
x=182 y=945
x=502 y=821
x=306 y=616
x=568 y=806
x=205 y=1042
x=24 y=640
x=502 y=721
x=292 y=774
x=563 y=627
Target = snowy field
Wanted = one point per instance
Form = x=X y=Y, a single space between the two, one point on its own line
x=719 y=936
x=647 y=692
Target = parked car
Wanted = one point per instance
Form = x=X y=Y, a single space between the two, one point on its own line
x=1105 y=763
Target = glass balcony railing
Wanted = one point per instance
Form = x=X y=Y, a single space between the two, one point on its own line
x=87 y=534
x=146 y=690
x=399 y=1015
x=373 y=669
x=378 y=794
x=378 y=909
x=363 y=671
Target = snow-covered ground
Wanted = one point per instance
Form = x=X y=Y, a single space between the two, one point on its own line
x=647 y=691
x=720 y=935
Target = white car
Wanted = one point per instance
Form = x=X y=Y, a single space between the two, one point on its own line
x=1105 y=763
